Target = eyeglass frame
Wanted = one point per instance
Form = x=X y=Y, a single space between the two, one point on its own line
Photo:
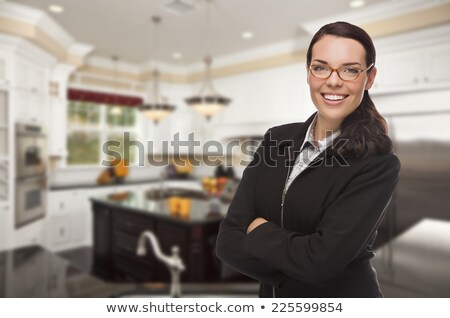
x=337 y=72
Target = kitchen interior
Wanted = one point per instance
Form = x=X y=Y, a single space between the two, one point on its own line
x=80 y=217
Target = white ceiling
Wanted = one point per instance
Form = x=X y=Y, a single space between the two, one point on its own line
x=124 y=28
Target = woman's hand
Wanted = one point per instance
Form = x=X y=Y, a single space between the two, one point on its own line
x=256 y=222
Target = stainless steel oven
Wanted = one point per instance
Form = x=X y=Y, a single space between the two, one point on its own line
x=31 y=199
x=30 y=147
x=31 y=174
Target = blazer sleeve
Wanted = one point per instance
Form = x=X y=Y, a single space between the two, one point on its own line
x=345 y=228
x=233 y=228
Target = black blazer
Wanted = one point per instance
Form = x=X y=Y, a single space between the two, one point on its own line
x=320 y=245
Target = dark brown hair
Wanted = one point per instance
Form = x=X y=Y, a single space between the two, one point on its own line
x=365 y=129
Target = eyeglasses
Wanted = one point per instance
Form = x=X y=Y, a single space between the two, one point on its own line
x=345 y=73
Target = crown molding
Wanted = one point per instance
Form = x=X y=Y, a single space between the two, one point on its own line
x=163 y=67
x=37 y=18
x=62 y=71
x=23 y=48
x=374 y=13
x=35 y=53
x=414 y=39
x=80 y=49
x=38 y=27
x=109 y=64
x=258 y=53
x=9 y=43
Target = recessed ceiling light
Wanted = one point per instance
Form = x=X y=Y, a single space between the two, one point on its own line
x=247 y=35
x=356 y=3
x=177 y=55
x=56 y=8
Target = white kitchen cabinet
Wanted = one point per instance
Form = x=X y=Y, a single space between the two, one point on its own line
x=67 y=213
x=30 y=107
x=32 y=234
x=437 y=66
x=30 y=92
x=413 y=69
x=398 y=69
x=60 y=230
x=57 y=138
x=243 y=105
x=31 y=77
x=63 y=202
x=6 y=71
x=263 y=99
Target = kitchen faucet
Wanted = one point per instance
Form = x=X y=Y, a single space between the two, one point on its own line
x=174 y=262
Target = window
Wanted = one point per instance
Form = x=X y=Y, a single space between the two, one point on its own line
x=90 y=125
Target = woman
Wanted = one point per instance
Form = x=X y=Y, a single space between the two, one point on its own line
x=306 y=212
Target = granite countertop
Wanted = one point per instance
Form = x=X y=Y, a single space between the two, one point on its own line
x=34 y=272
x=58 y=187
x=202 y=208
x=416 y=263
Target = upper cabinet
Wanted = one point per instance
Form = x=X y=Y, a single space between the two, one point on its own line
x=5 y=70
x=31 y=77
x=437 y=66
x=413 y=69
x=30 y=87
x=57 y=145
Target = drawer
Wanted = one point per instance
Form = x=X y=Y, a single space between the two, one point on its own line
x=132 y=223
x=125 y=245
x=125 y=271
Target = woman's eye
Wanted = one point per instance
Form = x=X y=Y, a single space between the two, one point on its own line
x=351 y=70
x=319 y=68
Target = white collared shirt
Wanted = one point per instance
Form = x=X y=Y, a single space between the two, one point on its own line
x=309 y=150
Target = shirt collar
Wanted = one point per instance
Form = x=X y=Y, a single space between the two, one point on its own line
x=323 y=143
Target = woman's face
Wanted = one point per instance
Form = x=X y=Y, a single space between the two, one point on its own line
x=334 y=98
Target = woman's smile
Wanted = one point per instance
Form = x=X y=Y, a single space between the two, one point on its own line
x=333 y=99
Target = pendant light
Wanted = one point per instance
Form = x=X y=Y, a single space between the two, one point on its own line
x=157 y=109
x=208 y=102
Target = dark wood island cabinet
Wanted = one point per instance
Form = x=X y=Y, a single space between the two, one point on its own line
x=118 y=222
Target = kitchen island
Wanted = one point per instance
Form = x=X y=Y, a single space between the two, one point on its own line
x=120 y=219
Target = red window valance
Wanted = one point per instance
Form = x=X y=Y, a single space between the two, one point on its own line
x=81 y=95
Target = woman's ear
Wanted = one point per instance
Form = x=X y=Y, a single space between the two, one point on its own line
x=371 y=78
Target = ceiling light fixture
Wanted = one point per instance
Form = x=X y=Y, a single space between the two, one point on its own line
x=356 y=4
x=158 y=109
x=177 y=55
x=55 y=8
x=247 y=35
x=208 y=102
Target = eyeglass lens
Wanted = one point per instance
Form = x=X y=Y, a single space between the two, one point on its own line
x=346 y=73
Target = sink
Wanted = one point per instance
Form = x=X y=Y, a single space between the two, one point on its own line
x=195 y=290
x=157 y=194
